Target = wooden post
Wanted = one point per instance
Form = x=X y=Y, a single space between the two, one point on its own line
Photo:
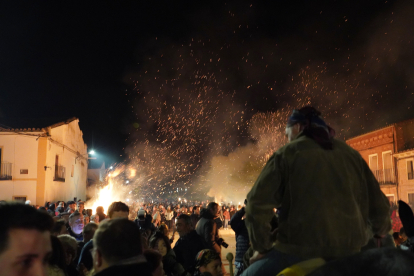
x=229 y=258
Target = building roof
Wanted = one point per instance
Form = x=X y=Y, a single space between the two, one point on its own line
x=389 y=125
x=370 y=132
x=404 y=152
x=32 y=124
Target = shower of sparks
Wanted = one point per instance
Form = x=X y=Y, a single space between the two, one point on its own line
x=196 y=132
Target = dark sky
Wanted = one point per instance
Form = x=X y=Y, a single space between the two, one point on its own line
x=65 y=59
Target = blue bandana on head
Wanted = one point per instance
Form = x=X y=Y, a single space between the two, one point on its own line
x=313 y=126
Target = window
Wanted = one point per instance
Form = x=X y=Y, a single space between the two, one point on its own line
x=5 y=168
x=59 y=171
x=373 y=162
x=20 y=198
x=411 y=199
x=410 y=169
x=387 y=167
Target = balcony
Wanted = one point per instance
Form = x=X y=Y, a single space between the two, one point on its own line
x=6 y=171
x=385 y=177
x=60 y=173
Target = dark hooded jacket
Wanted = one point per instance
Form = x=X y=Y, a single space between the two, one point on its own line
x=171 y=266
x=207 y=229
x=242 y=235
x=186 y=249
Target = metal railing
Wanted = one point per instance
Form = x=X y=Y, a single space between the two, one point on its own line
x=60 y=173
x=385 y=177
x=6 y=171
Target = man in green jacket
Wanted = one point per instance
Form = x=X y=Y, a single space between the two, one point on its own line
x=329 y=201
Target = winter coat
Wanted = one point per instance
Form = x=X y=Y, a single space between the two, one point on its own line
x=242 y=236
x=186 y=249
x=207 y=229
x=169 y=215
x=156 y=219
x=226 y=215
x=51 y=212
x=85 y=256
x=194 y=219
x=330 y=201
x=171 y=266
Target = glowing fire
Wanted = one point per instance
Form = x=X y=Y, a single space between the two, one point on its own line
x=108 y=194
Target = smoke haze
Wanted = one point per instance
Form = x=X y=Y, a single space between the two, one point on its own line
x=211 y=109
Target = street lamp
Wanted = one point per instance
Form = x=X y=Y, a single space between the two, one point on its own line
x=92 y=152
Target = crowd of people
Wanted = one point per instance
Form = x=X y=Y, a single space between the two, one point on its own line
x=86 y=243
x=316 y=209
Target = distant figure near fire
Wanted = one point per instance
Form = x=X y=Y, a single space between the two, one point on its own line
x=327 y=198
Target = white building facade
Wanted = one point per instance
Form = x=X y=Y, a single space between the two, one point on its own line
x=41 y=165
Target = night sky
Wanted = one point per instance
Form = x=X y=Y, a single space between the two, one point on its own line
x=103 y=61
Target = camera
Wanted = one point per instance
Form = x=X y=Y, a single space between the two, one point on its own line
x=222 y=243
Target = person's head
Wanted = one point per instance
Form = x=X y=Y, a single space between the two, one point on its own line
x=213 y=208
x=209 y=261
x=292 y=131
x=25 y=246
x=141 y=214
x=163 y=229
x=58 y=257
x=72 y=205
x=169 y=208
x=52 y=207
x=154 y=260
x=308 y=121
x=89 y=231
x=196 y=210
x=183 y=224
x=160 y=242
x=95 y=218
x=100 y=210
x=70 y=246
x=115 y=240
x=80 y=205
x=59 y=228
x=76 y=222
x=118 y=210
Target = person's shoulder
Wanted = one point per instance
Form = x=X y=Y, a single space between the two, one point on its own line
x=343 y=146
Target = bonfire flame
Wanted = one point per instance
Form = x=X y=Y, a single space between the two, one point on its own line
x=108 y=194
